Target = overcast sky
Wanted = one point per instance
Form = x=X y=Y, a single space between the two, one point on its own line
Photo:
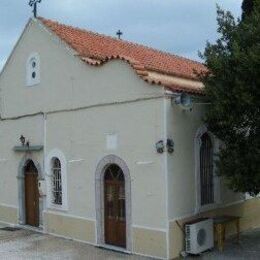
x=177 y=26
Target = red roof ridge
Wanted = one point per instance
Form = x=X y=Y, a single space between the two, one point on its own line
x=97 y=49
x=121 y=40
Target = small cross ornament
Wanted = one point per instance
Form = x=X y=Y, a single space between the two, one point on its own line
x=33 y=3
x=119 y=34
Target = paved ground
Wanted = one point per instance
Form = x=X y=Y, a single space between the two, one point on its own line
x=248 y=248
x=28 y=245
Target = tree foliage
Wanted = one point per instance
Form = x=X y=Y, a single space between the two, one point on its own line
x=233 y=88
x=247 y=8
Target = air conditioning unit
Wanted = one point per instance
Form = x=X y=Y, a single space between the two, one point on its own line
x=199 y=236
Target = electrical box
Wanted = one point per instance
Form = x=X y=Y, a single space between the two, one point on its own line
x=42 y=187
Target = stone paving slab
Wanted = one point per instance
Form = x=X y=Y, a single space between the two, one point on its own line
x=29 y=245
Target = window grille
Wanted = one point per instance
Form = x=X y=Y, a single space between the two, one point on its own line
x=56 y=182
x=206 y=170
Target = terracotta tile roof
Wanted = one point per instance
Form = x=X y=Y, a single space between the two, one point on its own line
x=96 y=49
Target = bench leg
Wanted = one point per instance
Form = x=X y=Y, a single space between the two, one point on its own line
x=238 y=230
x=220 y=237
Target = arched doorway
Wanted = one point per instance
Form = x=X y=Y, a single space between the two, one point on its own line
x=31 y=194
x=114 y=202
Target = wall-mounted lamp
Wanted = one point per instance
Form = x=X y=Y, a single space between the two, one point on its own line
x=159 y=146
x=170 y=145
x=22 y=140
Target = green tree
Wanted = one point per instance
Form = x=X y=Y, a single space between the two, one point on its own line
x=247 y=8
x=232 y=85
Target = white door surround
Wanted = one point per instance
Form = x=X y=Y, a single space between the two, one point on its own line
x=21 y=187
x=99 y=186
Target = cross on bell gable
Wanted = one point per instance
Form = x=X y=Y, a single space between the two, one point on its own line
x=119 y=34
x=33 y=3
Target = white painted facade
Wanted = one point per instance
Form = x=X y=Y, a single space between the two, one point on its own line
x=81 y=114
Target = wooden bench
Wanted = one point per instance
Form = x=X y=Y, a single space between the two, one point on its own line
x=220 y=224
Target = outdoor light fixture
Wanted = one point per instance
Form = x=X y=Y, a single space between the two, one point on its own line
x=22 y=140
x=160 y=146
x=170 y=145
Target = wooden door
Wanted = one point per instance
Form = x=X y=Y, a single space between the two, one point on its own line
x=31 y=198
x=115 y=219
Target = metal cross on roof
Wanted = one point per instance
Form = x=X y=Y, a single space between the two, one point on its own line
x=34 y=4
x=119 y=34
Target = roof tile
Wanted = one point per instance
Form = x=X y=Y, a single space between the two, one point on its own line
x=95 y=49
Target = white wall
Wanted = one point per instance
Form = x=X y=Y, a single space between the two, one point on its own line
x=10 y=132
x=66 y=81
x=115 y=100
x=182 y=127
x=82 y=137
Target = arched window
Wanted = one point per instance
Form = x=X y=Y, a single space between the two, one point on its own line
x=206 y=170
x=56 y=182
x=207 y=182
x=56 y=169
x=33 y=70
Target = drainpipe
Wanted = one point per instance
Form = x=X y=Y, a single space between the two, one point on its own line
x=44 y=140
x=44 y=169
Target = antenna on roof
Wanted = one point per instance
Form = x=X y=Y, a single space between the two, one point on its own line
x=119 y=34
x=33 y=3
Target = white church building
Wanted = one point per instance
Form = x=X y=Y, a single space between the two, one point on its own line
x=103 y=141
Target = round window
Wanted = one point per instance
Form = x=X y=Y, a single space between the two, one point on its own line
x=34 y=75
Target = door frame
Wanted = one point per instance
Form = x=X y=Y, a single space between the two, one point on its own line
x=100 y=204
x=31 y=188
x=21 y=186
